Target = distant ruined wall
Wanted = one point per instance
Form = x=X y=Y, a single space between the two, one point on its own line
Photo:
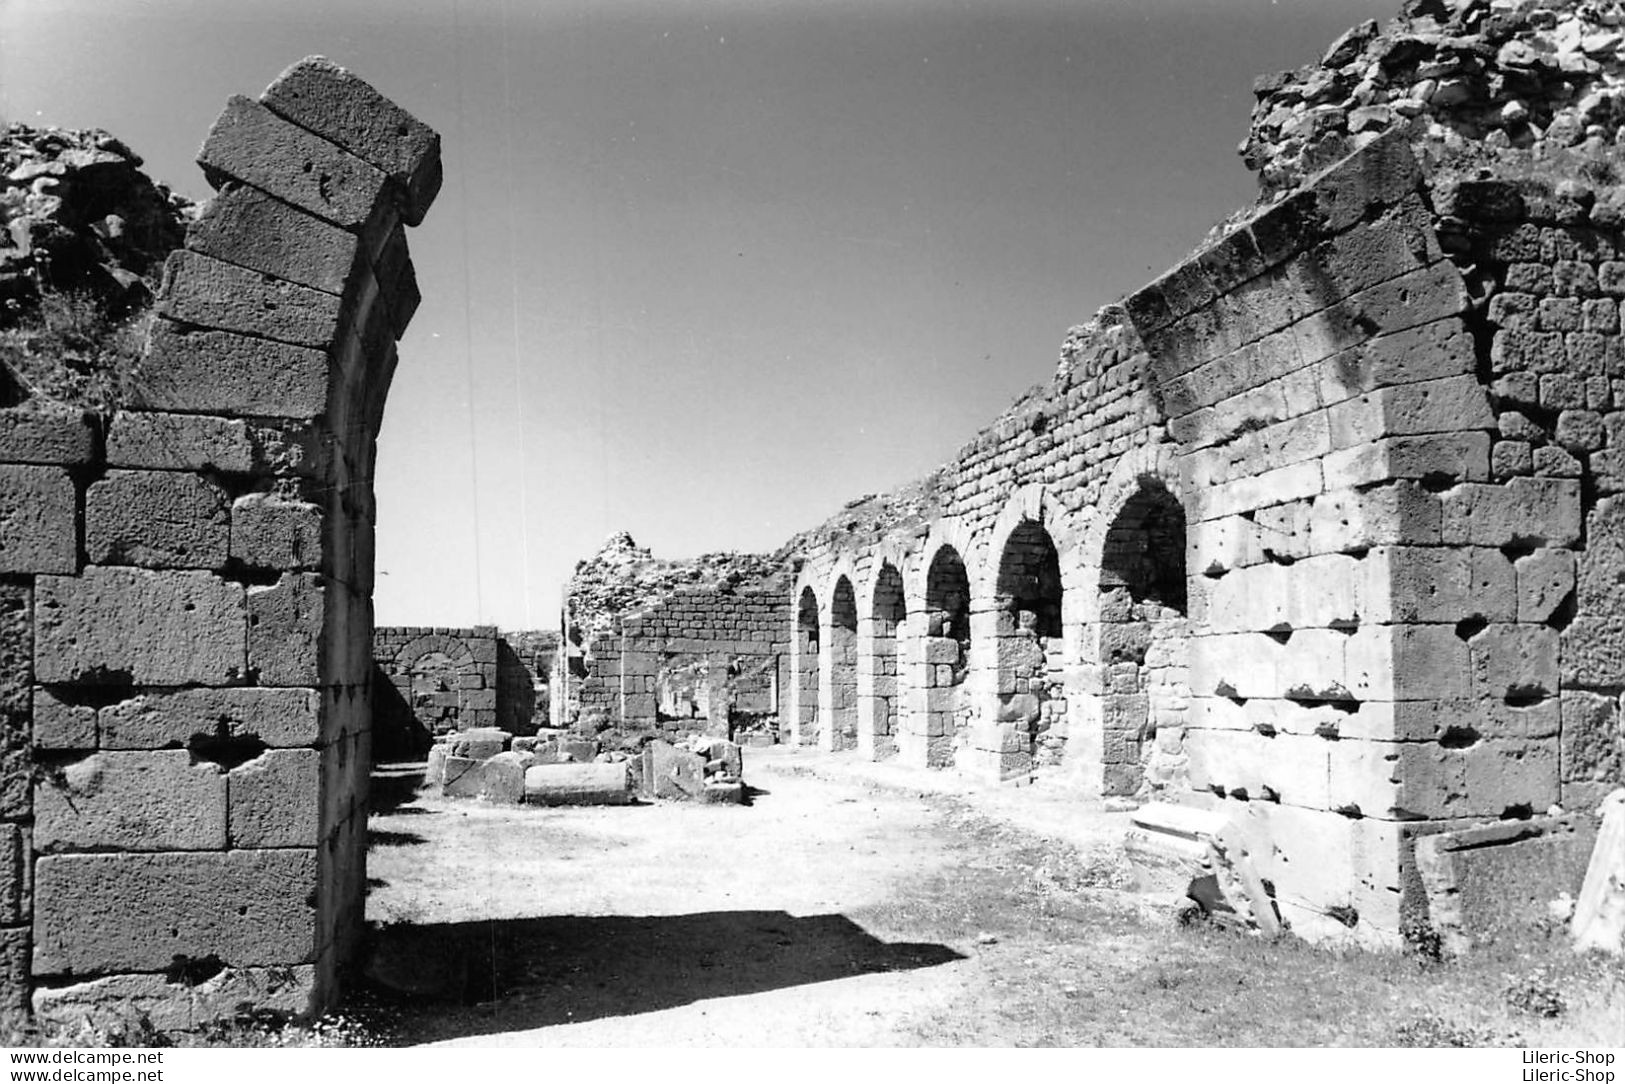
x=433 y=681
x=186 y=606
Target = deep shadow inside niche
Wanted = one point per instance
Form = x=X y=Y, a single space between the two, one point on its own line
x=1145 y=549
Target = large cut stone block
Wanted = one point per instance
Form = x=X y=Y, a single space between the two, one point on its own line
x=138 y=912
x=208 y=292
x=251 y=144
x=111 y=1002
x=59 y=724
x=338 y=105
x=1483 y=883
x=268 y=532
x=577 y=784
x=275 y=799
x=1521 y=511
x=163 y=800
x=45 y=433
x=244 y=226
x=179 y=442
x=132 y=625
x=38 y=520
x=156 y=519
x=277 y=717
x=285 y=630
x=219 y=372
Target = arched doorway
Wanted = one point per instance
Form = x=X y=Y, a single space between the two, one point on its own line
x=947 y=655
x=881 y=684
x=806 y=676
x=843 y=667
x=1030 y=688
x=1143 y=649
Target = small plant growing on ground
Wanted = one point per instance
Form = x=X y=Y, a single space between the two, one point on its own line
x=1535 y=997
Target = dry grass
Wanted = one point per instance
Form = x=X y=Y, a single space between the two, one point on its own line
x=71 y=350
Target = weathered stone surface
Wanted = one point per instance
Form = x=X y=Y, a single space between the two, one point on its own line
x=179 y=442
x=285 y=630
x=244 y=226
x=131 y=625
x=269 y=532
x=276 y=717
x=723 y=793
x=1485 y=883
x=251 y=144
x=334 y=103
x=156 y=519
x=163 y=800
x=174 y=1007
x=478 y=743
x=38 y=520
x=59 y=724
x=1599 y=911
x=14 y=863
x=670 y=772
x=45 y=433
x=208 y=292
x=275 y=800
x=577 y=784
x=500 y=778
x=220 y=372
x=138 y=912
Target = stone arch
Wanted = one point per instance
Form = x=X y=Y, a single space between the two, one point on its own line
x=245 y=632
x=838 y=695
x=943 y=718
x=805 y=645
x=439 y=670
x=882 y=680
x=1028 y=647
x=1143 y=650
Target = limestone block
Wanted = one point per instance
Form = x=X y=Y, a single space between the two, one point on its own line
x=151 y=628
x=479 y=743
x=251 y=144
x=1485 y=882
x=208 y=292
x=38 y=520
x=337 y=105
x=1438 y=585
x=1427 y=352
x=163 y=800
x=500 y=778
x=1447 y=719
x=1593 y=745
x=1517 y=661
x=156 y=519
x=244 y=226
x=179 y=442
x=112 y=1001
x=1429 y=662
x=1217 y=545
x=59 y=724
x=1230 y=761
x=1545 y=579
x=1486 y=778
x=1602 y=566
x=1521 y=510
x=1593 y=651
x=276 y=717
x=577 y=784
x=1249 y=493
x=15 y=857
x=453 y=769
x=717 y=793
x=46 y=433
x=1447 y=405
x=1312 y=665
x=269 y=532
x=285 y=629
x=1461 y=457
x=138 y=912
x=1348 y=519
x=670 y=772
x=219 y=372
x=274 y=799
x=1235 y=664
x=434 y=771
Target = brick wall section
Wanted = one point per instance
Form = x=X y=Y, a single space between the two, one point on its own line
x=185 y=609
x=1336 y=533
x=736 y=639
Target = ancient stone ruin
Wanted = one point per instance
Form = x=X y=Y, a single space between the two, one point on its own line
x=1311 y=550
x=188 y=581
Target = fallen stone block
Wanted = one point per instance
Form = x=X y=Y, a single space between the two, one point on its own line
x=1599 y=913
x=670 y=772
x=1483 y=883
x=500 y=778
x=580 y=750
x=479 y=743
x=719 y=793
x=1209 y=854
x=577 y=784
x=118 y=1000
x=434 y=773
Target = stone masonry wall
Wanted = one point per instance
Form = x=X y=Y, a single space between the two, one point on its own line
x=185 y=615
x=433 y=681
x=1332 y=508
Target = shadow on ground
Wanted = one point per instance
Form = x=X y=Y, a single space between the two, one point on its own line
x=528 y=973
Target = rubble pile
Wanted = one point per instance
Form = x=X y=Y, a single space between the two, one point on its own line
x=1472 y=83
x=79 y=216
x=560 y=768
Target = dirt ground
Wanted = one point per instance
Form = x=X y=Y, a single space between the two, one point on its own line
x=857 y=904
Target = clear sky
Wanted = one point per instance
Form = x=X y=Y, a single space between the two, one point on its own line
x=703 y=271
